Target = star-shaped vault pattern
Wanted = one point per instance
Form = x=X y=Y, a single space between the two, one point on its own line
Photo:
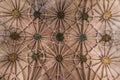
x=59 y=39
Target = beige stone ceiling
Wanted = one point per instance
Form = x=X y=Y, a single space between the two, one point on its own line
x=59 y=39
